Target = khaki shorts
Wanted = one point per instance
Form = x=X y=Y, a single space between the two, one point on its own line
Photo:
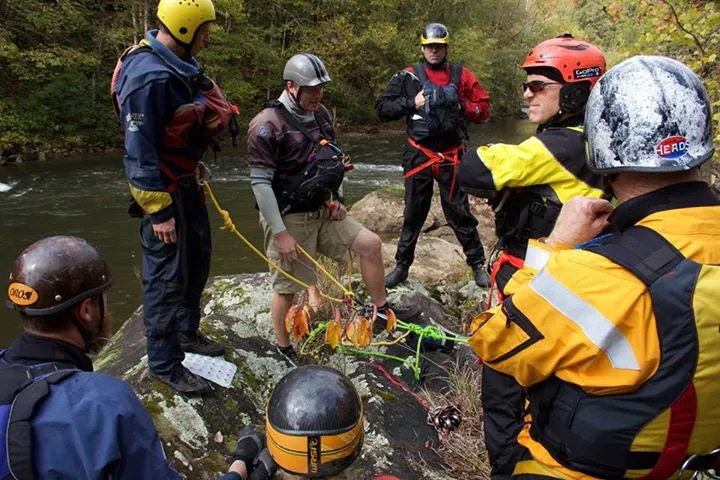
x=317 y=234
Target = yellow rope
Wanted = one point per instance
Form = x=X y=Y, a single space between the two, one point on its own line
x=229 y=225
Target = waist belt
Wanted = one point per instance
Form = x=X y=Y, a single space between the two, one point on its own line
x=504 y=258
x=451 y=155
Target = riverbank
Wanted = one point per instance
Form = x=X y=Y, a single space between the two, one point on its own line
x=9 y=157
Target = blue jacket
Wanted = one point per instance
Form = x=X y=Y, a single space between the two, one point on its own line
x=152 y=83
x=90 y=425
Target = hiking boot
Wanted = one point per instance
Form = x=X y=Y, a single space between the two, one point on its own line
x=482 y=279
x=184 y=381
x=380 y=320
x=200 y=344
x=398 y=275
x=290 y=355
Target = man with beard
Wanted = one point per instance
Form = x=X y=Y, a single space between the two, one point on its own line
x=58 y=418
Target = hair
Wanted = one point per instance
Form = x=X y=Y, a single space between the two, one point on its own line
x=57 y=322
x=54 y=323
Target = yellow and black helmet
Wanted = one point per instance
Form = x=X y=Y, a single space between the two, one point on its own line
x=435 y=34
x=314 y=422
x=183 y=18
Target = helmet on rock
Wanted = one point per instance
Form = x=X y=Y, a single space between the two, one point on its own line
x=314 y=422
x=648 y=114
x=577 y=63
x=306 y=70
x=56 y=273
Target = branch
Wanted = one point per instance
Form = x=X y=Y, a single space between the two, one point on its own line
x=680 y=25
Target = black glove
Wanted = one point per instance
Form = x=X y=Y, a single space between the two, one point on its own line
x=264 y=466
x=249 y=446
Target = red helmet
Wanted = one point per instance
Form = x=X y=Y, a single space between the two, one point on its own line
x=576 y=60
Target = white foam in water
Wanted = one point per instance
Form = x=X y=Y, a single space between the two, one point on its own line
x=4 y=187
x=214 y=369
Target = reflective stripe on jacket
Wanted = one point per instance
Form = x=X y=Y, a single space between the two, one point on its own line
x=583 y=334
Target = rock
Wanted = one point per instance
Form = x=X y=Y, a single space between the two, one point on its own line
x=436 y=260
x=381 y=211
x=398 y=440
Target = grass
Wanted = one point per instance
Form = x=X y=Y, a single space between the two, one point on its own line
x=463 y=449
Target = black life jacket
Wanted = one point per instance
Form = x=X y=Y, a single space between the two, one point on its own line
x=308 y=187
x=443 y=113
x=22 y=389
x=522 y=214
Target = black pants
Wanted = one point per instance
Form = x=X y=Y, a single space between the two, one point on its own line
x=173 y=278
x=503 y=402
x=418 y=197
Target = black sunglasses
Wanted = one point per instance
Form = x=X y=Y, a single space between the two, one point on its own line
x=537 y=85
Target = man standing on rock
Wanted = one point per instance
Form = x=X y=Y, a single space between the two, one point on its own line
x=58 y=418
x=436 y=98
x=527 y=184
x=171 y=113
x=299 y=202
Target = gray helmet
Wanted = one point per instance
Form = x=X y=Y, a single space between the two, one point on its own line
x=648 y=114
x=306 y=70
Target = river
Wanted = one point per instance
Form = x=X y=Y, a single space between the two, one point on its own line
x=88 y=196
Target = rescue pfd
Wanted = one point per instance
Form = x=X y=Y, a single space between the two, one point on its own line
x=22 y=389
x=443 y=113
x=307 y=187
x=598 y=434
x=207 y=116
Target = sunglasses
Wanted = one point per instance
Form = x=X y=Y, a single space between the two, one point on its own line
x=537 y=85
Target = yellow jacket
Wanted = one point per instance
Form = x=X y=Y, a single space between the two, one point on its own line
x=581 y=320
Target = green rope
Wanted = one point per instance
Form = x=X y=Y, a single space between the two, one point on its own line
x=430 y=331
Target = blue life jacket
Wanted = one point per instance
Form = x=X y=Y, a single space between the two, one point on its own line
x=22 y=389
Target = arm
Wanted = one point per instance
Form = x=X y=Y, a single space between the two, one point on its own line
x=394 y=103
x=261 y=182
x=475 y=98
x=498 y=166
x=144 y=116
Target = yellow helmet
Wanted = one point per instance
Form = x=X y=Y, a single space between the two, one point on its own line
x=314 y=422
x=183 y=18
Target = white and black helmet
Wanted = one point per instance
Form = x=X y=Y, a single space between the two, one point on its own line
x=306 y=70
x=648 y=114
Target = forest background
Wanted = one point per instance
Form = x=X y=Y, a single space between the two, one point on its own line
x=57 y=56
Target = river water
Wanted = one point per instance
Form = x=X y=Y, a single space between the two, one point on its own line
x=88 y=196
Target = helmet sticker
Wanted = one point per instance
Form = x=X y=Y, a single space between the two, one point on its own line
x=21 y=294
x=588 y=72
x=672 y=147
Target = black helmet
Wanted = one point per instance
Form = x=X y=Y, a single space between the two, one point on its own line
x=434 y=33
x=314 y=422
x=56 y=273
x=306 y=70
x=648 y=114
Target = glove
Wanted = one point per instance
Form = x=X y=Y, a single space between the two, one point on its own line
x=249 y=446
x=264 y=466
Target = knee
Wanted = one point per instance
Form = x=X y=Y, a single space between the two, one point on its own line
x=368 y=244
